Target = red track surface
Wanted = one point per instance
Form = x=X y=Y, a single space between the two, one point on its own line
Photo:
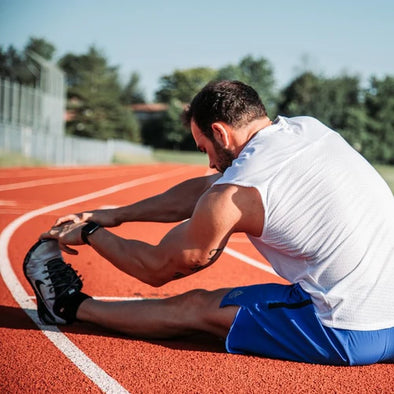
x=30 y=362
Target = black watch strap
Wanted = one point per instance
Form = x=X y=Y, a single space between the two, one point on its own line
x=88 y=229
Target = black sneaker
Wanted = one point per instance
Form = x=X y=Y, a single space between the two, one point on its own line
x=52 y=280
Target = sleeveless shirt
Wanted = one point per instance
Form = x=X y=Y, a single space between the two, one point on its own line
x=328 y=220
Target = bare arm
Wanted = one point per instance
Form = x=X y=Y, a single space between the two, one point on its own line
x=174 y=205
x=189 y=247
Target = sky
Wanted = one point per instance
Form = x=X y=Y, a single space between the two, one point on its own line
x=154 y=38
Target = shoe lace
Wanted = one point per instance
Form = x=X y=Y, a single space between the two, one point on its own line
x=62 y=276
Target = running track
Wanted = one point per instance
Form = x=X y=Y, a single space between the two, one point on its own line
x=84 y=358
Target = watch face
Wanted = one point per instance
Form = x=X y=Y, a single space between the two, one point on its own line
x=90 y=227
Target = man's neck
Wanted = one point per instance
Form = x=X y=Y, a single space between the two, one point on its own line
x=251 y=129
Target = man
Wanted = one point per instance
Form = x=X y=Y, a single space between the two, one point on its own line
x=309 y=203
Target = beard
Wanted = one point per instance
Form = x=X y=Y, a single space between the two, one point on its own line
x=225 y=157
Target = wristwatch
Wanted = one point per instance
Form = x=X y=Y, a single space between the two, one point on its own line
x=87 y=230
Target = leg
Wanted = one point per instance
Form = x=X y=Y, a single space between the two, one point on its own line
x=194 y=311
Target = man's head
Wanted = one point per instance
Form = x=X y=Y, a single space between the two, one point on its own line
x=231 y=102
x=221 y=107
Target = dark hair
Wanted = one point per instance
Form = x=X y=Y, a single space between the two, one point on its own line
x=231 y=102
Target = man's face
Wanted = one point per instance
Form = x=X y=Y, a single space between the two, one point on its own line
x=219 y=158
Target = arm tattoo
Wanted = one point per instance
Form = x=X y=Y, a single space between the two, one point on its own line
x=213 y=256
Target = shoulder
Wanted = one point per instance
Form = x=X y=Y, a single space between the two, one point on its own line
x=233 y=207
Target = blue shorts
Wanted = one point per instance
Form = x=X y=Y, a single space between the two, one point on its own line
x=279 y=321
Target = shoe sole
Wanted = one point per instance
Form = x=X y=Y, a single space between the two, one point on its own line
x=43 y=313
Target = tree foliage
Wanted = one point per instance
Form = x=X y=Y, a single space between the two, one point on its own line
x=363 y=116
x=257 y=73
x=17 y=66
x=101 y=108
x=40 y=46
x=183 y=85
x=328 y=99
x=379 y=108
x=177 y=136
x=132 y=92
x=94 y=88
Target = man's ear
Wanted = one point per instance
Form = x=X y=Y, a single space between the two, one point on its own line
x=220 y=133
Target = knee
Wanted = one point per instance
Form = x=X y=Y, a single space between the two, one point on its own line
x=195 y=301
x=200 y=308
x=191 y=307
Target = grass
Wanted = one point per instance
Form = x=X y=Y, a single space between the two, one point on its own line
x=181 y=157
x=387 y=172
x=8 y=159
x=164 y=156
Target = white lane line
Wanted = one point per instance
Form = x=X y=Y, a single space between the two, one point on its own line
x=109 y=298
x=8 y=203
x=56 y=180
x=46 y=181
x=74 y=354
x=250 y=261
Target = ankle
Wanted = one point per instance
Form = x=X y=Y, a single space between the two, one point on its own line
x=84 y=309
x=68 y=306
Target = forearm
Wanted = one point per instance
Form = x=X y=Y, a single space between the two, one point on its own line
x=174 y=205
x=136 y=258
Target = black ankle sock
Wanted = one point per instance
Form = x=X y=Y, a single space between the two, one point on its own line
x=67 y=306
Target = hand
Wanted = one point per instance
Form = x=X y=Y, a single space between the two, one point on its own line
x=103 y=217
x=73 y=218
x=66 y=234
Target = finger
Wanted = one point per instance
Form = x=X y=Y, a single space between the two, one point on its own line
x=68 y=218
x=67 y=249
x=47 y=235
x=53 y=233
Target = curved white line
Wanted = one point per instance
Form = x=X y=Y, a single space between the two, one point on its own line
x=74 y=354
x=53 y=180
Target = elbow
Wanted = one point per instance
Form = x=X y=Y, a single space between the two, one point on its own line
x=156 y=277
x=155 y=281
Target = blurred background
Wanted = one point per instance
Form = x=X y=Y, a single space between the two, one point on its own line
x=99 y=82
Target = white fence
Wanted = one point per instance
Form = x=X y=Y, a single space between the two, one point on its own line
x=32 y=123
x=63 y=149
x=31 y=107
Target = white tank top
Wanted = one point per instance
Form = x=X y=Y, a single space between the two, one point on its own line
x=329 y=220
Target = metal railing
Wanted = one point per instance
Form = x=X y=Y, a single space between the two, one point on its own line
x=32 y=123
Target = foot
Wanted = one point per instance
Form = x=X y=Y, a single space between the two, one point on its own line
x=54 y=282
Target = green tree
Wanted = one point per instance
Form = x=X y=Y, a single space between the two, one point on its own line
x=183 y=85
x=363 y=117
x=16 y=67
x=328 y=99
x=356 y=132
x=174 y=133
x=132 y=93
x=94 y=98
x=379 y=104
x=257 y=73
x=300 y=97
x=40 y=46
